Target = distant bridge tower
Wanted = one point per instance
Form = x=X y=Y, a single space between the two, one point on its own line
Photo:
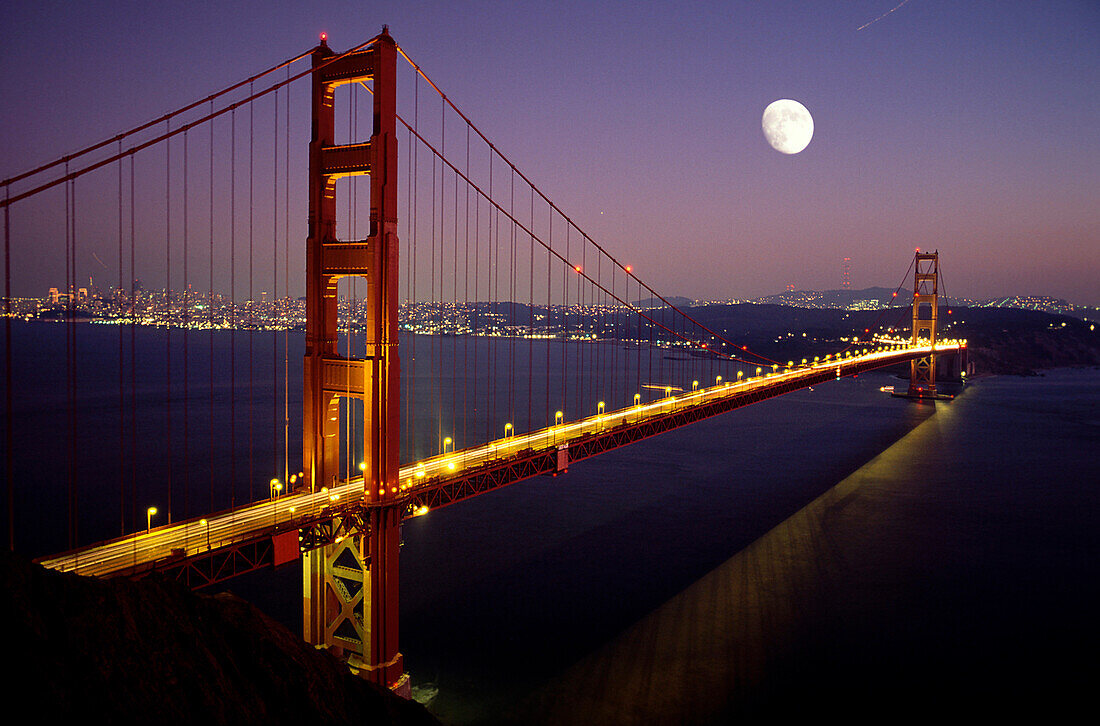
x=922 y=371
x=846 y=274
x=350 y=586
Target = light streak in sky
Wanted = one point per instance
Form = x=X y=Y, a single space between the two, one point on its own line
x=882 y=16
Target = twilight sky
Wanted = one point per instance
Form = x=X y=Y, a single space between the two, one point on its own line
x=971 y=127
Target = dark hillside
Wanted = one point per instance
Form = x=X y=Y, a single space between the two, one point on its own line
x=152 y=651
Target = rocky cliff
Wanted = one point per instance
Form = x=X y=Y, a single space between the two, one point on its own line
x=117 y=651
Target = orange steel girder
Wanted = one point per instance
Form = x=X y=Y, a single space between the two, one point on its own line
x=374 y=378
x=922 y=371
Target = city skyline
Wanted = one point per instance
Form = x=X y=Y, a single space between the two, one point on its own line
x=938 y=126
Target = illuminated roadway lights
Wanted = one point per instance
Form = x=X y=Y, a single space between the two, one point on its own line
x=149 y=519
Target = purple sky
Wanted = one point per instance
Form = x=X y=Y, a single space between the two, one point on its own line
x=967 y=127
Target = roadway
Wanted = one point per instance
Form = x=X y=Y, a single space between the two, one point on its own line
x=180 y=541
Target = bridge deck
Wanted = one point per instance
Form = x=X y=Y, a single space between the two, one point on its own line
x=229 y=543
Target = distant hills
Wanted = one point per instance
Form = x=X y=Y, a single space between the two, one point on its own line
x=875 y=298
x=675 y=300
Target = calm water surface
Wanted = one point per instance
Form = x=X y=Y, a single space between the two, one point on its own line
x=836 y=550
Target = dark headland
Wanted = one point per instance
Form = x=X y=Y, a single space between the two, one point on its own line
x=120 y=651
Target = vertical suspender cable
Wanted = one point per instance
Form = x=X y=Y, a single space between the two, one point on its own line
x=530 y=321
x=286 y=289
x=454 y=325
x=490 y=364
x=466 y=293
x=549 y=308
x=69 y=356
x=251 y=287
x=133 y=356
x=435 y=307
x=414 y=188
x=233 y=309
x=275 y=295
x=565 y=328
x=186 y=329
x=437 y=342
x=9 y=470
x=210 y=314
x=168 y=312
x=121 y=371
x=72 y=328
x=512 y=299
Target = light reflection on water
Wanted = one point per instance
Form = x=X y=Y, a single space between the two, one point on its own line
x=956 y=564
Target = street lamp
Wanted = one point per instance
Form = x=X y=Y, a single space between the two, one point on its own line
x=695 y=385
x=599 y=408
x=637 y=399
x=559 y=417
x=740 y=375
x=718 y=380
x=277 y=487
x=149 y=519
x=448 y=442
x=206 y=523
x=508 y=430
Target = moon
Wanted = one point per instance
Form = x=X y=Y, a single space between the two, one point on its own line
x=788 y=126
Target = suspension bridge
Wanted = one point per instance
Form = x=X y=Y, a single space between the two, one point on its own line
x=521 y=351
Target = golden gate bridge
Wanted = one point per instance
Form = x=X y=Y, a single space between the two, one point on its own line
x=497 y=283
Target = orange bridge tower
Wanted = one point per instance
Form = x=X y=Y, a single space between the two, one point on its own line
x=922 y=371
x=350 y=585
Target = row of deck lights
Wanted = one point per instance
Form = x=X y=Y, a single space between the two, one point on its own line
x=559 y=420
x=601 y=408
